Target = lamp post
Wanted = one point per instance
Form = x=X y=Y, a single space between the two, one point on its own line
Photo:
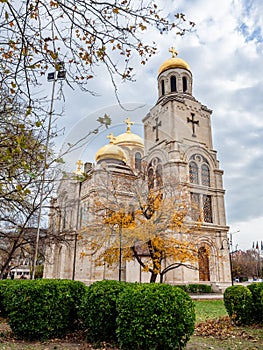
x=230 y=257
x=230 y=249
x=59 y=74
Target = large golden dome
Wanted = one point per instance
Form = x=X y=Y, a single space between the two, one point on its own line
x=110 y=151
x=128 y=138
x=173 y=62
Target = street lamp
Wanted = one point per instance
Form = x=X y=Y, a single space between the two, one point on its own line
x=59 y=74
x=230 y=257
x=231 y=239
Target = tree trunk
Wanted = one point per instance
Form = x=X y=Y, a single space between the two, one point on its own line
x=153 y=277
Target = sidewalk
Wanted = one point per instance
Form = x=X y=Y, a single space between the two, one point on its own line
x=210 y=296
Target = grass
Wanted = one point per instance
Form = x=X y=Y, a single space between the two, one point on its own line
x=209 y=309
x=213 y=331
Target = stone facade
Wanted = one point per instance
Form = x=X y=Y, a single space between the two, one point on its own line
x=177 y=143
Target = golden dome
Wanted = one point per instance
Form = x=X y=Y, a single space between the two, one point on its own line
x=128 y=138
x=110 y=151
x=173 y=62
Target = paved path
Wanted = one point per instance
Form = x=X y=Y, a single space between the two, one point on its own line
x=210 y=296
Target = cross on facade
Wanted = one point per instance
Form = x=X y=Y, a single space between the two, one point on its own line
x=173 y=52
x=156 y=127
x=129 y=123
x=194 y=122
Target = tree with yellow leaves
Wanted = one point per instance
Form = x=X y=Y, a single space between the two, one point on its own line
x=152 y=227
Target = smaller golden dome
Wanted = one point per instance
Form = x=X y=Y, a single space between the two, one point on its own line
x=128 y=138
x=173 y=62
x=110 y=151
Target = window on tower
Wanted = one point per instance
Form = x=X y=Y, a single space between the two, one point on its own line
x=162 y=87
x=184 y=84
x=199 y=170
x=207 y=208
x=193 y=173
x=199 y=174
x=173 y=83
x=205 y=175
x=155 y=173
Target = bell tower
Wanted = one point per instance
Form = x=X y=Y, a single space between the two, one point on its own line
x=178 y=137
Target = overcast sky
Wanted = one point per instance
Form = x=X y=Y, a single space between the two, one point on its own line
x=226 y=60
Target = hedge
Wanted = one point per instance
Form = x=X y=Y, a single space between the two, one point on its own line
x=195 y=288
x=98 y=310
x=4 y=285
x=154 y=317
x=42 y=309
x=256 y=290
x=238 y=303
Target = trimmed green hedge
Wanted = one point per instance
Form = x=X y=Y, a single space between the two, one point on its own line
x=4 y=285
x=238 y=303
x=154 y=317
x=195 y=288
x=98 y=310
x=257 y=306
x=42 y=309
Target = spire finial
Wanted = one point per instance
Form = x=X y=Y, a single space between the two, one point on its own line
x=79 y=166
x=173 y=52
x=129 y=123
x=111 y=137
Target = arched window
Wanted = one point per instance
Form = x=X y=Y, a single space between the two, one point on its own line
x=155 y=174
x=173 y=83
x=184 y=84
x=159 y=176
x=193 y=173
x=162 y=87
x=150 y=179
x=199 y=174
x=138 y=161
x=205 y=175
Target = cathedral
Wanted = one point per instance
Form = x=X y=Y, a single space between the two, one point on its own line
x=177 y=142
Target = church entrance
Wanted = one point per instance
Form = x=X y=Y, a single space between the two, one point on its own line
x=203 y=262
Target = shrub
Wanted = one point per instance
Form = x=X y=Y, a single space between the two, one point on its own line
x=154 y=316
x=42 y=309
x=257 y=305
x=238 y=300
x=98 y=310
x=4 y=285
x=196 y=288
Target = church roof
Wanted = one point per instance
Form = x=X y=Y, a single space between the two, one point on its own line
x=173 y=62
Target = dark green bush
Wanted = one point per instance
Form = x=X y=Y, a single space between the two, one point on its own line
x=98 y=310
x=42 y=309
x=154 y=317
x=196 y=288
x=257 y=305
x=4 y=285
x=238 y=301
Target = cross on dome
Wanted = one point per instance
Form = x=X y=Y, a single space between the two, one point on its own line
x=129 y=123
x=111 y=137
x=79 y=166
x=173 y=52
